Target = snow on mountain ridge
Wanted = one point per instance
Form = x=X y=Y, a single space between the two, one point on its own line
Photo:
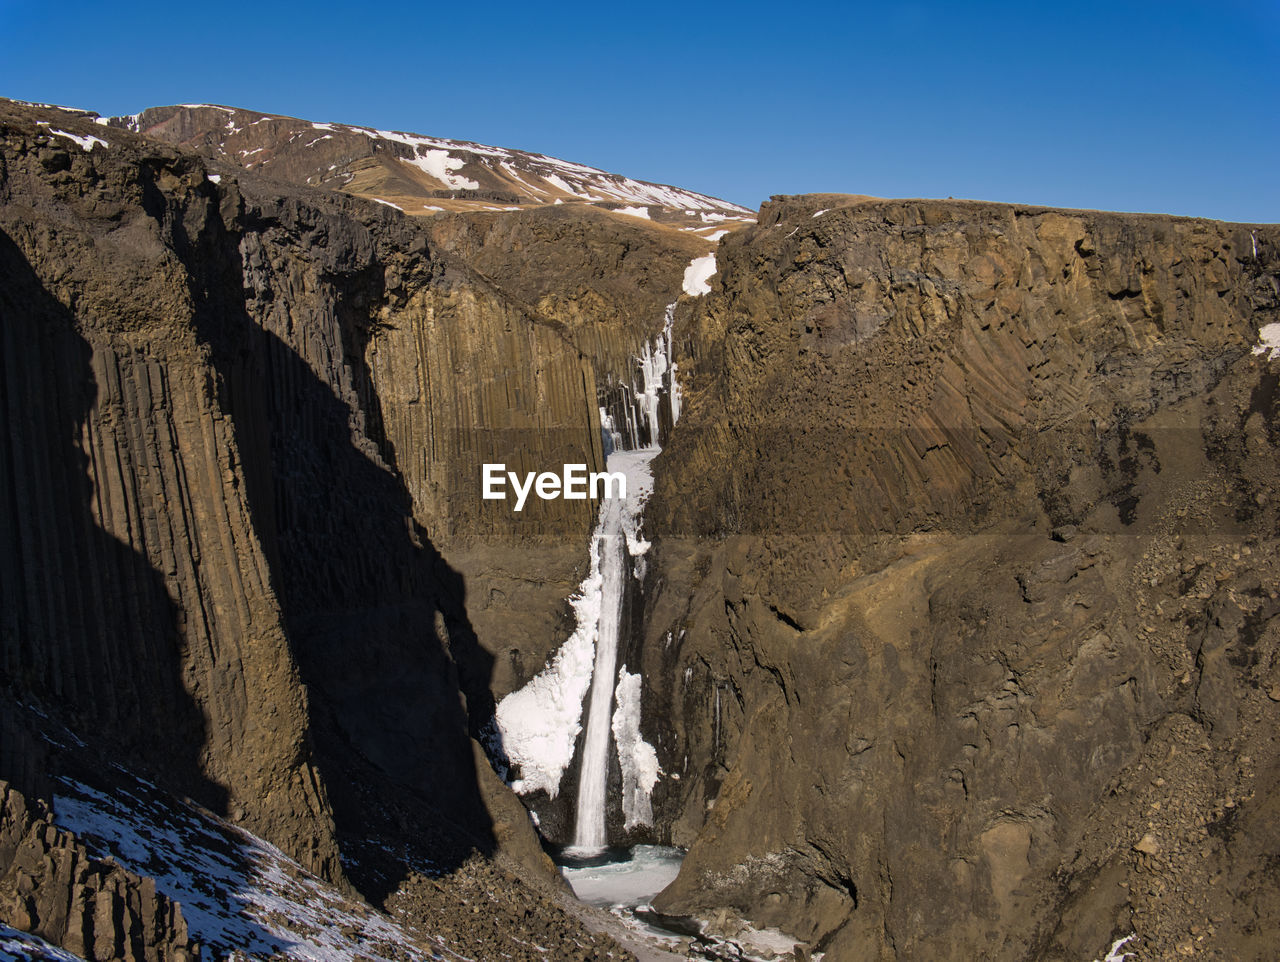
x=400 y=166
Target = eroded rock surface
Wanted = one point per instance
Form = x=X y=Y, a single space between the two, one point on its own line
x=963 y=603
x=52 y=887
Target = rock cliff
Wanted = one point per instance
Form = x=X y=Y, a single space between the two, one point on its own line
x=565 y=251
x=239 y=421
x=958 y=630
x=962 y=604
x=50 y=887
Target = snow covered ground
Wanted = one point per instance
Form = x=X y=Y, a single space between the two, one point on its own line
x=697 y=274
x=16 y=946
x=237 y=892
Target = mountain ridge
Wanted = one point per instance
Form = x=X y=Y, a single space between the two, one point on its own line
x=420 y=174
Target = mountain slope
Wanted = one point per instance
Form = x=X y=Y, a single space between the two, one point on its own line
x=419 y=174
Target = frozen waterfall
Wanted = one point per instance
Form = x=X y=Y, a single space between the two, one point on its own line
x=540 y=723
x=619 y=542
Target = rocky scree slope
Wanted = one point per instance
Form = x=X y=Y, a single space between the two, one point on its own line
x=52 y=888
x=962 y=604
x=230 y=416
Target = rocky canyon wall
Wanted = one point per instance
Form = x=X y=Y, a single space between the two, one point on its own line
x=239 y=424
x=962 y=602
x=959 y=631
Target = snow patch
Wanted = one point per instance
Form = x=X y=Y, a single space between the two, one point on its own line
x=715 y=236
x=819 y=213
x=514 y=174
x=555 y=180
x=634 y=211
x=19 y=946
x=238 y=893
x=440 y=164
x=387 y=203
x=86 y=142
x=636 y=757
x=697 y=274
x=1268 y=341
x=540 y=722
x=215 y=178
x=1114 y=954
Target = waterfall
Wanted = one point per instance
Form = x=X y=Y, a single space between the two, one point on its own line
x=593 y=778
x=617 y=550
x=535 y=728
x=619 y=541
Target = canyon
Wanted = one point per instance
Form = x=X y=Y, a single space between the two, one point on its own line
x=943 y=610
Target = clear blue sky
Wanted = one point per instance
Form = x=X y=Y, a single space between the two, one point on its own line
x=1171 y=106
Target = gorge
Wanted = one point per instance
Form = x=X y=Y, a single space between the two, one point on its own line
x=939 y=620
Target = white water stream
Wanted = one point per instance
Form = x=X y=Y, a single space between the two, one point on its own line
x=538 y=725
x=620 y=522
x=616 y=539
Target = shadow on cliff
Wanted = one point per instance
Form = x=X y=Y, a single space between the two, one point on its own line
x=88 y=629
x=375 y=617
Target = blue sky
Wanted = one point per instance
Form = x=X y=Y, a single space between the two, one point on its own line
x=1171 y=107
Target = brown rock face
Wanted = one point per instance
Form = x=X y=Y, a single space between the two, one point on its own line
x=468 y=371
x=963 y=605
x=237 y=423
x=51 y=887
x=960 y=617
x=133 y=573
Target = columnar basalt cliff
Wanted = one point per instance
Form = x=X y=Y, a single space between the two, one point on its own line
x=237 y=425
x=607 y=279
x=963 y=598
x=597 y=265
x=50 y=887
